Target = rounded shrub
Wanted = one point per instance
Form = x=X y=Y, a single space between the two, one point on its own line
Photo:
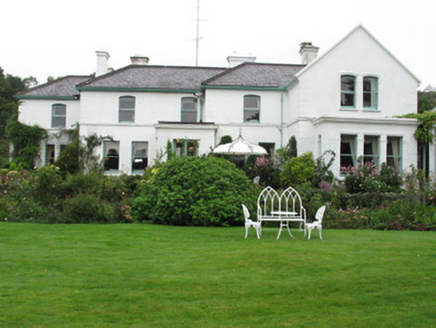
x=299 y=170
x=197 y=191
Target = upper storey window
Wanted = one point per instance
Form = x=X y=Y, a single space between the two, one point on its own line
x=58 y=116
x=348 y=91
x=251 y=109
x=127 y=109
x=189 y=110
x=370 y=92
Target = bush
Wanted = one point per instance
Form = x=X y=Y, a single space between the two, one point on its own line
x=200 y=191
x=88 y=208
x=298 y=170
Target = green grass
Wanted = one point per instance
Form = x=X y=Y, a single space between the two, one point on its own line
x=158 y=276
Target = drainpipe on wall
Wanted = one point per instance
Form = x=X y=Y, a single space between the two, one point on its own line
x=281 y=120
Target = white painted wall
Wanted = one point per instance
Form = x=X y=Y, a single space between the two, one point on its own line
x=359 y=55
x=38 y=112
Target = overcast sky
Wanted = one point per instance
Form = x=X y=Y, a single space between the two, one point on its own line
x=59 y=37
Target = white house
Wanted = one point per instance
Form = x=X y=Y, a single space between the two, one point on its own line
x=347 y=101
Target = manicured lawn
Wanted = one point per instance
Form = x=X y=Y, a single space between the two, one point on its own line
x=157 y=276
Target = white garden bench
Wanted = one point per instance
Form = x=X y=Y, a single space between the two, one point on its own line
x=285 y=208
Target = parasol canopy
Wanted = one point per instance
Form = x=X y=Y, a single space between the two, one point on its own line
x=240 y=147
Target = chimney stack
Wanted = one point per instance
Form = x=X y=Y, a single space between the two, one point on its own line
x=236 y=60
x=102 y=63
x=139 y=60
x=308 y=52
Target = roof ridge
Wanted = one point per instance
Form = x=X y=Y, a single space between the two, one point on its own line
x=60 y=79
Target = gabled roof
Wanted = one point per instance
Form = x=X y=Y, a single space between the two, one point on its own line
x=362 y=28
x=62 y=88
x=255 y=76
x=152 y=78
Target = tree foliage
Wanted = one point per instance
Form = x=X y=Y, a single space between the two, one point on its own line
x=26 y=140
x=426 y=101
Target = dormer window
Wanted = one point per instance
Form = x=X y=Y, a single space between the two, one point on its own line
x=348 y=91
x=370 y=92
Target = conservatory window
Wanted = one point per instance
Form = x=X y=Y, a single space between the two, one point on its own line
x=371 y=150
x=49 y=154
x=189 y=110
x=348 y=151
x=348 y=91
x=394 y=152
x=186 y=147
x=58 y=116
x=111 y=155
x=126 y=109
x=370 y=93
x=251 y=109
x=139 y=156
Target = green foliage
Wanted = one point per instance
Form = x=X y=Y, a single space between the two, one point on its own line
x=88 y=208
x=299 y=170
x=199 y=191
x=79 y=156
x=26 y=140
x=322 y=169
x=225 y=140
x=48 y=181
x=423 y=133
x=288 y=152
x=426 y=101
x=268 y=169
x=367 y=178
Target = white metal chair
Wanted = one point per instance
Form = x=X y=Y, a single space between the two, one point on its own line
x=317 y=224
x=250 y=223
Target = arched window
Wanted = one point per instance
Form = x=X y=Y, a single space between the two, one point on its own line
x=348 y=91
x=370 y=92
x=58 y=115
x=127 y=109
x=252 y=109
x=189 y=110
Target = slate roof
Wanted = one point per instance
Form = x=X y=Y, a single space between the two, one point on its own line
x=256 y=75
x=62 y=87
x=153 y=77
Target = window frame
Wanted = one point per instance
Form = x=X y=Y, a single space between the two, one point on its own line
x=399 y=157
x=124 y=110
x=55 y=115
x=348 y=155
x=182 y=147
x=188 y=110
x=252 y=110
x=49 y=160
x=372 y=93
x=346 y=92
x=116 y=158
x=375 y=157
x=134 y=157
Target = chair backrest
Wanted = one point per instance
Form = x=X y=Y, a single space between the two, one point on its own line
x=290 y=201
x=320 y=213
x=267 y=201
x=246 y=213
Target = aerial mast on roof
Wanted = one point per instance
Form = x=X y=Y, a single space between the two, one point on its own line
x=197 y=39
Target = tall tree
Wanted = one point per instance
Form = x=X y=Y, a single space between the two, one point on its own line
x=9 y=86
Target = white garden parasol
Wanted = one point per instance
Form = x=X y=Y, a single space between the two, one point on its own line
x=240 y=147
